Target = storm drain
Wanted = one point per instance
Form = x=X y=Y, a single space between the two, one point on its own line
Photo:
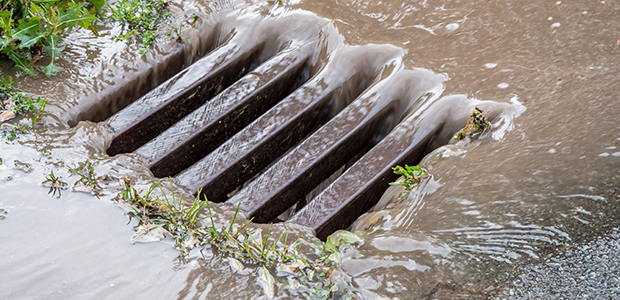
x=259 y=128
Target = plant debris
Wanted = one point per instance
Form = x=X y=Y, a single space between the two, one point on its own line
x=167 y=213
x=54 y=183
x=88 y=182
x=411 y=176
x=476 y=125
x=22 y=166
x=272 y=257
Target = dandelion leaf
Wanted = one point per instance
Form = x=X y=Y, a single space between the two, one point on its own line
x=22 y=64
x=97 y=3
x=53 y=51
x=27 y=33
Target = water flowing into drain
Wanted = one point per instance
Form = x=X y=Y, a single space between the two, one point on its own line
x=264 y=126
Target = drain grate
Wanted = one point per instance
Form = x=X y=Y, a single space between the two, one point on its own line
x=259 y=128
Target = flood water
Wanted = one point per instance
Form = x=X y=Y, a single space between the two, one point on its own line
x=529 y=212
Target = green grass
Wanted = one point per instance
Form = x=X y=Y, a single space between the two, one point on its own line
x=166 y=211
x=15 y=131
x=87 y=175
x=20 y=103
x=257 y=247
x=55 y=183
x=141 y=19
x=30 y=28
x=14 y=102
x=33 y=29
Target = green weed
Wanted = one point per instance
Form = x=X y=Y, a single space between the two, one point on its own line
x=88 y=182
x=251 y=246
x=141 y=18
x=13 y=133
x=177 y=31
x=412 y=176
x=13 y=102
x=12 y=99
x=55 y=184
x=167 y=212
x=33 y=27
x=320 y=279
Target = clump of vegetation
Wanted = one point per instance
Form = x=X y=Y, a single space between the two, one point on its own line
x=246 y=245
x=476 y=125
x=411 y=176
x=88 y=182
x=22 y=166
x=29 y=28
x=142 y=18
x=12 y=103
x=166 y=213
x=3 y=214
x=12 y=134
x=163 y=215
x=55 y=184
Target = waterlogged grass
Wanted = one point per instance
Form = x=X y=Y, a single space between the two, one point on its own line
x=165 y=214
x=258 y=248
x=30 y=28
x=13 y=103
x=55 y=184
x=141 y=18
x=14 y=132
x=276 y=259
x=89 y=182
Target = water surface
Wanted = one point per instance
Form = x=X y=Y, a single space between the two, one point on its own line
x=506 y=218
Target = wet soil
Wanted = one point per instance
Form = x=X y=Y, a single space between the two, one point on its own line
x=531 y=212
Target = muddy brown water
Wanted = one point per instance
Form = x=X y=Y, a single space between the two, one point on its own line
x=517 y=202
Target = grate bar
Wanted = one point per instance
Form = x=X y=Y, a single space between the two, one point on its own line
x=274 y=133
x=319 y=156
x=208 y=127
x=362 y=185
x=165 y=105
